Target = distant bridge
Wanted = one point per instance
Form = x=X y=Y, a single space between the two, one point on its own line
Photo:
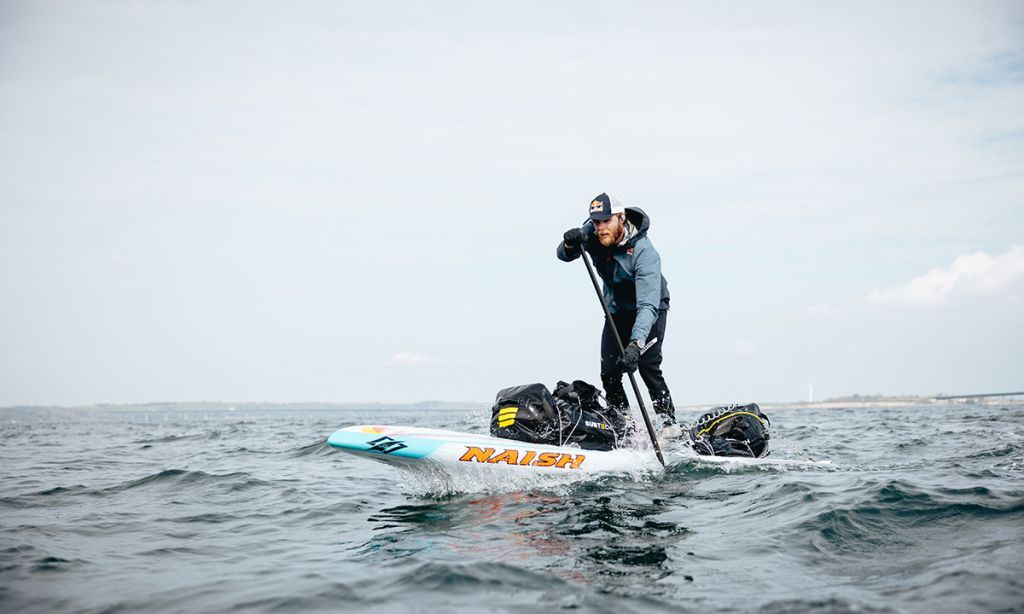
x=978 y=396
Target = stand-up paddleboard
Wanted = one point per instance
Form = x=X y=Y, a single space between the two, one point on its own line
x=411 y=446
x=422 y=448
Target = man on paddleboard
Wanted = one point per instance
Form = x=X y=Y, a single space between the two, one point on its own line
x=615 y=236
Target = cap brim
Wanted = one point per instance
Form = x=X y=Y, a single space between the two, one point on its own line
x=600 y=216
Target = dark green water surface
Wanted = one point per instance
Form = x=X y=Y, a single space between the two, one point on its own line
x=922 y=510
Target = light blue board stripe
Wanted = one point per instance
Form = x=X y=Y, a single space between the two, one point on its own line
x=411 y=447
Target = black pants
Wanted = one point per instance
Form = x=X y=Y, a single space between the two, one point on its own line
x=649 y=367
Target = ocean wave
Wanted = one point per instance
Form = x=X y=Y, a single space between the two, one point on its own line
x=799 y=432
x=53 y=563
x=447 y=577
x=832 y=606
x=1009 y=449
x=208 y=517
x=329 y=595
x=13 y=557
x=176 y=478
x=45 y=498
x=886 y=515
x=317 y=448
x=180 y=437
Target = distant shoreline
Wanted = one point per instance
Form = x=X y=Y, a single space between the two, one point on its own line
x=192 y=406
x=197 y=406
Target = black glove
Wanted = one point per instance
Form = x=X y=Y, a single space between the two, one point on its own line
x=630 y=358
x=573 y=238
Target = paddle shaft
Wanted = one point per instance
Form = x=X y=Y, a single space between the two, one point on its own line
x=622 y=352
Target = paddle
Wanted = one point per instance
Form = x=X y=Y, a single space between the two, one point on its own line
x=622 y=352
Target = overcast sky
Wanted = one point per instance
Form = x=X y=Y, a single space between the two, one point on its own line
x=360 y=201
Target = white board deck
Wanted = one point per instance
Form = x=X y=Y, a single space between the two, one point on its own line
x=409 y=445
x=417 y=447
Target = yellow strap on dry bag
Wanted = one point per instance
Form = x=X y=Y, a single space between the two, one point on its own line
x=507 y=416
x=726 y=416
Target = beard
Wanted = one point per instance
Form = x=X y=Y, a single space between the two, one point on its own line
x=608 y=237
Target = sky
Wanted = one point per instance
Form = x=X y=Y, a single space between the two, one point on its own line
x=354 y=202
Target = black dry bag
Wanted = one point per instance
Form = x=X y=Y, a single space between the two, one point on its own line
x=588 y=423
x=737 y=430
x=526 y=413
x=572 y=415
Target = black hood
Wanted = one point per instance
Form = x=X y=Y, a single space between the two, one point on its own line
x=638 y=218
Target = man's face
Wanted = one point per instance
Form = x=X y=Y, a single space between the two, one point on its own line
x=609 y=232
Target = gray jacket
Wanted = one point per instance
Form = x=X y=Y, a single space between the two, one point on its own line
x=631 y=273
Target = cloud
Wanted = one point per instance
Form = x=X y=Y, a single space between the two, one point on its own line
x=970 y=275
x=745 y=347
x=410 y=358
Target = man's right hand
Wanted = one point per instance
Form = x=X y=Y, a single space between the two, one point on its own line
x=573 y=238
x=630 y=357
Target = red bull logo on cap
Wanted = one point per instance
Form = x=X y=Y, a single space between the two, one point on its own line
x=596 y=206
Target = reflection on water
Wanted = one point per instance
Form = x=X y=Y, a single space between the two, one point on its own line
x=583 y=535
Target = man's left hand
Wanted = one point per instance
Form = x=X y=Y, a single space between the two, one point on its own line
x=631 y=357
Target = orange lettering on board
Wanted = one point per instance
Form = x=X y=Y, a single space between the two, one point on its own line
x=573 y=461
x=546 y=459
x=509 y=457
x=479 y=455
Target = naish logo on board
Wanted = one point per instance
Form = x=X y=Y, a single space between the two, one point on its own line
x=385 y=445
x=531 y=458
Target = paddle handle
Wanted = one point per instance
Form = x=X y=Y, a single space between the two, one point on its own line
x=622 y=352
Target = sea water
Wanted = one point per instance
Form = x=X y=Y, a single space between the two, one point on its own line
x=921 y=510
